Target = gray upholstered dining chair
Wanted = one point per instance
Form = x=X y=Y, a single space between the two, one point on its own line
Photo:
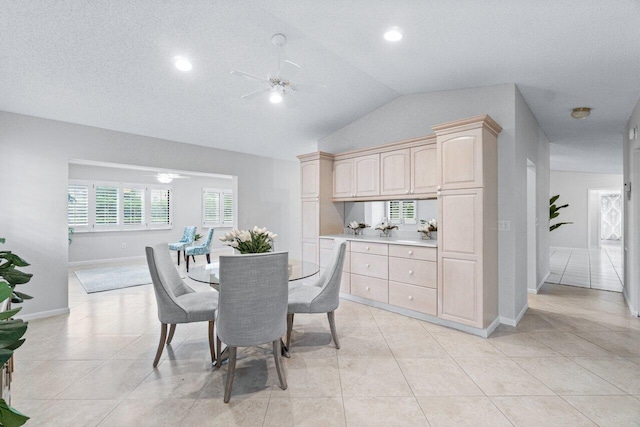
x=177 y=302
x=253 y=306
x=321 y=297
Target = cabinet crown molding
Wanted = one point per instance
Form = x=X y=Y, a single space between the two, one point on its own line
x=315 y=156
x=466 y=124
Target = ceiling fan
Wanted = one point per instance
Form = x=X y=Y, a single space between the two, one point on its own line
x=167 y=177
x=279 y=85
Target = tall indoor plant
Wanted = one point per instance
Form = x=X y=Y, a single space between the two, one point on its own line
x=554 y=211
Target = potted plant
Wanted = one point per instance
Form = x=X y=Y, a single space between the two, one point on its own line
x=427 y=227
x=554 y=212
x=255 y=241
x=357 y=227
x=386 y=228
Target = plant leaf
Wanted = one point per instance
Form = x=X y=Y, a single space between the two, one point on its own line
x=14 y=259
x=22 y=295
x=15 y=277
x=9 y=313
x=10 y=416
x=554 y=226
x=5 y=291
x=553 y=199
x=5 y=354
x=2 y=239
x=16 y=344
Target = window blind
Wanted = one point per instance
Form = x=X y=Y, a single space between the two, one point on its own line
x=217 y=207
x=160 y=206
x=106 y=206
x=133 y=206
x=228 y=208
x=402 y=212
x=211 y=201
x=78 y=205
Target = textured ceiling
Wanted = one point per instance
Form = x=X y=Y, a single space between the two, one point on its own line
x=109 y=65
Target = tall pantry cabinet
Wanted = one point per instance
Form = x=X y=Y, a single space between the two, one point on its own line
x=468 y=213
x=320 y=215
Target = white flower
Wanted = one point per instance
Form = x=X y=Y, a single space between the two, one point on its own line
x=255 y=229
x=433 y=222
x=354 y=225
x=234 y=244
x=273 y=236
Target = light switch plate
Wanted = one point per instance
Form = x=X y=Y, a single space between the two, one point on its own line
x=504 y=225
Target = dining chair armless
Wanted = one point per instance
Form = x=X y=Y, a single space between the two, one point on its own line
x=253 y=306
x=188 y=235
x=203 y=249
x=177 y=302
x=321 y=297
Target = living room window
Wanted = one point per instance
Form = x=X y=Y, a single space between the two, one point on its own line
x=103 y=206
x=402 y=212
x=217 y=207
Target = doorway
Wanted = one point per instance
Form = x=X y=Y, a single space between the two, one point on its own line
x=532 y=226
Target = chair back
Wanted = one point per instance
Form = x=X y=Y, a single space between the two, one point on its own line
x=207 y=242
x=188 y=235
x=167 y=283
x=254 y=292
x=329 y=297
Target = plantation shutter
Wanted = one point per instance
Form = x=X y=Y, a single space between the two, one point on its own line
x=409 y=212
x=106 y=211
x=78 y=205
x=402 y=212
x=133 y=206
x=211 y=207
x=228 y=208
x=395 y=214
x=160 y=206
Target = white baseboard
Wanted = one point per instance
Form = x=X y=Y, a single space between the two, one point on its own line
x=540 y=285
x=629 y=305
x=43 y=314
x=106 y=261
x=514 y=322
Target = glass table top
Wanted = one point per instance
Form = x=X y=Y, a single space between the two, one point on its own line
x=209 y=273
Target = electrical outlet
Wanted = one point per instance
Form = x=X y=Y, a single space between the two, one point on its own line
x=124 y=245
x=504 y=225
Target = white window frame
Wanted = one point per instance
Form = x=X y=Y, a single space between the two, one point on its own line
x=402 y=219
x=92 y=227
x=222 y=223
x=81 y=228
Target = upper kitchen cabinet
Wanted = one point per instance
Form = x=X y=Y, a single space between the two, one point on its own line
x=367 y=175
x=424 y=169
x=343 y=179
x=309 y=179
x=462 y=147
x=395 y=172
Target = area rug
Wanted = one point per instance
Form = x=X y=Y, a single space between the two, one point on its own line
x=110 y=278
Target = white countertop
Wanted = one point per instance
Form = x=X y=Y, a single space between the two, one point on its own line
x=389 y=240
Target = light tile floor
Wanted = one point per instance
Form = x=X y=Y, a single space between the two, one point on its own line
x=573 y=360
x=597 y=268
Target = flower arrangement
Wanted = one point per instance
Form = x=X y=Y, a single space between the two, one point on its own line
x=386 y=228
x=356 y=226
x=426 y=227
x=255 y=241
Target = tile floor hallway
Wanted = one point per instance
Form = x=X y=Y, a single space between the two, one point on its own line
x=574 y=360
x=597 y=268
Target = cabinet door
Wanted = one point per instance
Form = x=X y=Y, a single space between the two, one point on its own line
x=343 y=174
x=309 y=174
x=395 y=174
x=367 y=175
x=424 y=169
x=310 y=220
x=460 y=160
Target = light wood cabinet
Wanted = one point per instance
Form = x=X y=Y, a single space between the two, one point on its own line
x=424 y=169
x=343 y=179
x=309 y=177
x=370 y=288
x=415 y=298
x=395 y=172
x=367 y=175
x=468 y=217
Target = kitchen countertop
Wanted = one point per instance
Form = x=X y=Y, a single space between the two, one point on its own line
x=389 y=240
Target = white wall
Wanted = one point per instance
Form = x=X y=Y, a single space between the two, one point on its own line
x=631 y=168
x=411 y=116
x=34 y=173
x=187 y=210
x=573 y=188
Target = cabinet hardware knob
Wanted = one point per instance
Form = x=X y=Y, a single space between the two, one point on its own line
x=439 y=188
x=410 y=252
x=437 y=193
x=368 y=288
x=410 y=297
x=410 y=272
x=366 y=265
x=408 y=192
x=367 y=248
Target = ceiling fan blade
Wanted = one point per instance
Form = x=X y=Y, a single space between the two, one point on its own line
x=288 y=71
x=254 y=94
x=308 y=88
x=249 y=76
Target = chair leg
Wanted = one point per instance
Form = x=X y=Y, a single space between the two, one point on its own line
x=332 y=326
x=172 y=330
x=163 y=337
x=208 y=258
x=233 y=351
x=219 y=352
x=276 y=356
x=178 y=257
x=187 y=259
x=212 y=347
x=289 y=329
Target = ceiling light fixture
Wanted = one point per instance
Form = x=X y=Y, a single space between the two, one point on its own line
x=164 y=178
x=393 y=34
x=276 y=95
x=581 y=112
x=182 y=63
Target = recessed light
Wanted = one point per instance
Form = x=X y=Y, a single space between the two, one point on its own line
x=393 y=34
x=581 y=112
x=182 y=63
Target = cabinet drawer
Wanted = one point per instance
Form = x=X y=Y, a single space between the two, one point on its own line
x=325 y=258
x=416 y=298
x=370 y=265
x=328 y=244
x=370 y=248
x=368 y=287
x=413 y=252
x=414 y=272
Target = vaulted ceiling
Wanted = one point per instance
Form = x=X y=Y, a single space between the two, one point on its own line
x=109 y=64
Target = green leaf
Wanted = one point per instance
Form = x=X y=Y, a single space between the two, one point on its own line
x=554 y=226
x=15 y=277
x=5 y=355
x=14 y=259
x=22 y=295
x=16 y=344
x=10 y=416
x=2 y=239
x=553 y=199
x=5 y=291
x=11 y=331
x=554 y=215
x=9 y=313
